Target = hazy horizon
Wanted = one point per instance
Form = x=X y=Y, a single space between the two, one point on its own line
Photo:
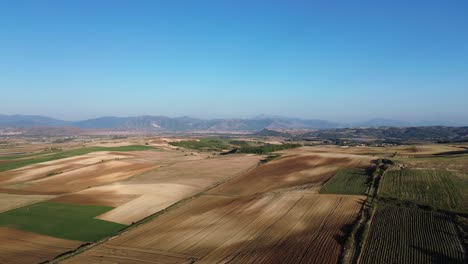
x=264 y=116
x=209 y=59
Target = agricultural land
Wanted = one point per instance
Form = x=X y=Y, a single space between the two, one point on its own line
x=244 y=199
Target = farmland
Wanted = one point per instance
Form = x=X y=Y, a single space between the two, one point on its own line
x=418 y=216
x=437 y=188
x=19 y=247
x=211 y=229
x=18 y=163
x=250 y=218
x=238 y=146
x=208 y=144
x=403 y=235
x=159 y=188
x=348 y=181
x=73 y=222
x=176 y=200
x=305 y=172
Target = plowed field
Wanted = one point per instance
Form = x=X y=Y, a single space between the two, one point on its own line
x=304 y=172
x=253 y=229
x=25 y=247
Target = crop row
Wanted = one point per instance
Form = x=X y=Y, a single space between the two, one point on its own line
x=404 y=235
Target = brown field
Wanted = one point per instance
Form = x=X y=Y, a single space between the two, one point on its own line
x=252 y=229
x=86 y=177
x=77 y=173
x=252 y=218
x=41 y=170
x=305 y=172
x=24 y=247
x=238 y=212
x=161 y=187
x=104 y=198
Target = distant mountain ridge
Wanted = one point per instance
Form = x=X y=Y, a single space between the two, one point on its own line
x=164 y=123
x=25 y=121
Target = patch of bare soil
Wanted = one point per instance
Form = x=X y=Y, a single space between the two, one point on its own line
x=25 y=247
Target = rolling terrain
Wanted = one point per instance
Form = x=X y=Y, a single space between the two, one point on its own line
x=194 y=200
x=249 y=219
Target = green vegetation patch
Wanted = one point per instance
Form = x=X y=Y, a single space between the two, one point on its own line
x=235 y=146
x=20 y=156
x=204 y=144
x=408 y=235
x=68 y=221
x=66 y=154
x=348 y=181
x=267 y=148
x=436 y=188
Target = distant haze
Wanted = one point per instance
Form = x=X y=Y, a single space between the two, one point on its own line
x=347 y=63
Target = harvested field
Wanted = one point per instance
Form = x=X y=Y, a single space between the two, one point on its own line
x=66 y=154
x=403 y=235
x=389 y=151
x=304 y=172
x=253 y=229
x=12 y=201
x=164 y=186
x=104 y=198
x=18 y=247
x=49 y=168
x=85 y=177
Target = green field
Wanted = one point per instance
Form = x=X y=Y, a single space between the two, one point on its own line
x=238 y=146
x=267 y=148
x=204 y=144
x=410 y=235
x=68 y=221
x=347 y=181
x=21 y=156
x=437 y=188
x=14 y=164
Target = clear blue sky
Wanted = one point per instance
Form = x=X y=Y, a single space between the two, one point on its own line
x=335 y=60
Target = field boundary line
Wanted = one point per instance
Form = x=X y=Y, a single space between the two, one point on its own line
x=143 y=221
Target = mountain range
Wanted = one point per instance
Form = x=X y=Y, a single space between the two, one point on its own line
x=164 y=123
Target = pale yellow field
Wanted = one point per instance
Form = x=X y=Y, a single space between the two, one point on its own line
x=12 y=201
x=164 y=186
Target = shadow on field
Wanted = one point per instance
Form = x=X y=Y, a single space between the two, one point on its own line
x=320 y=242
x=437 y=257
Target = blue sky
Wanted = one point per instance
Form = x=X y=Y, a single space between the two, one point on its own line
x=336 y=60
